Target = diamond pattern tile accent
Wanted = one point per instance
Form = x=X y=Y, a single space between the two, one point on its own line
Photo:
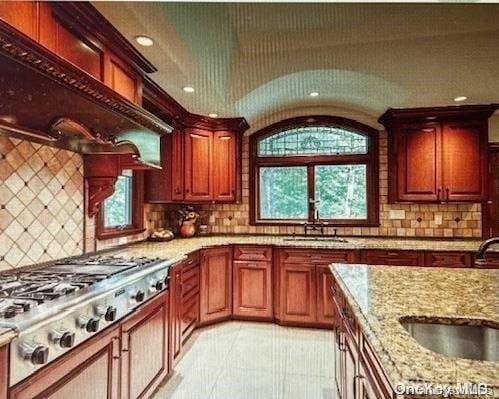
x=41 y=203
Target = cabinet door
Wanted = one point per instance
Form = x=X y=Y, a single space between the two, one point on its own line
x=298 y=293
x=349 y=368
x=325 y=304
x=177 y=165
x=448 y=259
x=145 y=348
x=198 y=165
x=253 y=289
x=465 y=161
x=123 y=81
x=175 y=313
x=22 y=15
x=338 y=354
x=224 y=166
x=68 y=44
x=91 y=371
x=418 y=162
x=216 y=284
x=4 y=371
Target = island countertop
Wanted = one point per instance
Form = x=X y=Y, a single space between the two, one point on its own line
x=380 y=296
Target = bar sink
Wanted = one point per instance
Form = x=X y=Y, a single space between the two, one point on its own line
x=455 y=340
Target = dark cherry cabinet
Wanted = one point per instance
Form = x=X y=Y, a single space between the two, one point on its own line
x=216 y=284
x=225 y=152
x=93 y=371
x=198 y=165
x=189 y=316
x=418 y=149
x=252 y=285
x=438 y=154
x=448 y=259
x=464 y=160
x=4 y=371
x=325 y=307
x=22 y=15
x=298 y=293
x=392 y=258
x=175 y=335
x=144 y=348
x=122 y=80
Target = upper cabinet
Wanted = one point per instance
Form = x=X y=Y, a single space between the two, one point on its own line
x=438 y=154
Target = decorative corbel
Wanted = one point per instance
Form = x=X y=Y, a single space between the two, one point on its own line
x=99 y=188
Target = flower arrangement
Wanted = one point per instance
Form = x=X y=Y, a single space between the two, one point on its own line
x=186 y=219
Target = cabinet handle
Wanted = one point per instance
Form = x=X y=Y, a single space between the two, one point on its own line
x=447 y=193
x=438 y=193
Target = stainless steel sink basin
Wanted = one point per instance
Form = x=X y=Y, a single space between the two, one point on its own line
x=462 y=341
x=322 y=239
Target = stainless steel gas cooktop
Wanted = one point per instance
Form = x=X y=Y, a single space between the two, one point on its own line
x=58 y=306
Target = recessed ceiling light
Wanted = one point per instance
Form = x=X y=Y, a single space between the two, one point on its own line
x=188 y=89
x=144 y=40
x=213 y=115
x=314 y=94
x=460 y=98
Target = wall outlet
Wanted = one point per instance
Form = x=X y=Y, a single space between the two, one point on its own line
x=397 y=214
x=438 y=219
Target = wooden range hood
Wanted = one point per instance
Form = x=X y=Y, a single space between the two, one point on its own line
x=46 y=99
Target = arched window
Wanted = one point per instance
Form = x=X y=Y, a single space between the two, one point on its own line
x=315 y=169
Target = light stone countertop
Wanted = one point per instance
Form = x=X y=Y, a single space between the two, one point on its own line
x=180 y=247
x=381 y=295
x=6 y=335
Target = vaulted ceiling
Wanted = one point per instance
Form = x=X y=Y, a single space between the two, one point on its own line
x=261 y=59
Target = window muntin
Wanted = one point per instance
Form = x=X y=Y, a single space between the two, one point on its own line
x=118 y=207
x=313 y=140
x=283 y=193
x=337 y=156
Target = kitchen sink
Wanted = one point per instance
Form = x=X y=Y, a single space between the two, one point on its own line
x=461 y=341
x=322 y=239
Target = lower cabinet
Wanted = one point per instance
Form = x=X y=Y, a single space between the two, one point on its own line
x=216 y=284
x=298 y=293
x=4 y=371
x=175 y=335
x=252 y=285
x=144 y=347
x=325 y=307
x=448 y=259
x=91 y=371
x=392 y=258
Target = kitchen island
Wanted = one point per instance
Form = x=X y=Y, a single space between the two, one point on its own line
x=379 y=354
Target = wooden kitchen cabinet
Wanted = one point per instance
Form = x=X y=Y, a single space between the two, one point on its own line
x=198 y=165
x=144 y=347
x=122 y=79
x=90 y=371
x=175 y=335
x=22 y=15
x=224 y=166
x=4 y=371
x=298 y=293
x=448 y=259
x=392 y=258
x=252 y=282
x=189 y=318
x=216 y=284
x=444 y=160
x=325 y=306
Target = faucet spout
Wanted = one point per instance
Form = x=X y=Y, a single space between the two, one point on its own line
x=480 y=255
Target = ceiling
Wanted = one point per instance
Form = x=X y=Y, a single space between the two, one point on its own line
x=262 y=60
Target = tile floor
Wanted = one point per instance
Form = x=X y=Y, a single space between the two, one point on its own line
x=243 y=360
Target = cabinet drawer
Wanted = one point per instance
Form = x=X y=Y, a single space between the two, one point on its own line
x=373 y=371
x=317 y=257
x=392 y=258
x=189 y=317
x=190 y=286
x=249 y=252
x=191 y=261
x=448 y=259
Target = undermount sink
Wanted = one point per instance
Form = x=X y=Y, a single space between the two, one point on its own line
x=322 y=239
x=461 y=341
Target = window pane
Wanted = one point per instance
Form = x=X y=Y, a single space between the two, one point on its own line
x=118 y=207
x=313 y=140
x=341 y=191
x=283 y=192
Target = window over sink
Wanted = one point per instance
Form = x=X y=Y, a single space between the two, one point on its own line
x=315 y=168
x=122 y=213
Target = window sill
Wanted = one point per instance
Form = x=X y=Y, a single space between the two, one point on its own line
x=115 y=233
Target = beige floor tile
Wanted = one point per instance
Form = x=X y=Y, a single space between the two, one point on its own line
x=245 y=360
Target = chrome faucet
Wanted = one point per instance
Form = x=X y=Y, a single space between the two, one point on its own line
x=480 y=255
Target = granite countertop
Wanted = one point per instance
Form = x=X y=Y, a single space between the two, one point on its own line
x=180 y=247
x=381 y=295
x=6 y=335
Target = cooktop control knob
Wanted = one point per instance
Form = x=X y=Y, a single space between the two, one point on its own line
x=35 y=353
x=111 y=314
x=63 y=338
x=91 y=324
x=139 y=296
x=156 y=286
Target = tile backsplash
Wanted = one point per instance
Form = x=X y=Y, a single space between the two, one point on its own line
x=41 y=203
x=404 y=220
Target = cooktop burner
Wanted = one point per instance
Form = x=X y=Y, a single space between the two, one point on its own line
x=20 y=291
